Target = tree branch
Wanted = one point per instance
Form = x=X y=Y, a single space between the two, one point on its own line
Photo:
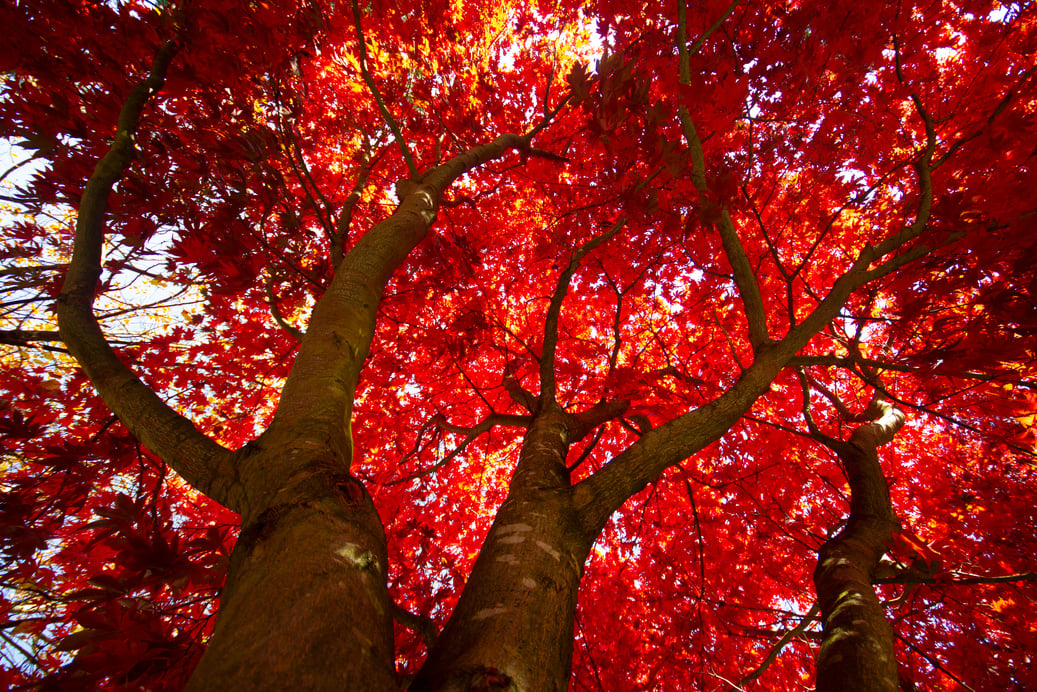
x=318 y=395
x=547 y=358
x=808 y=618
x=389 y=120
x=744 y=276
x=425 y=626
x=701 y=40
x=815 y=431
x=633 y=469
x=200 y=462
x=471 y=434
x=345 y=215
x=276 y=312
x=24 y=337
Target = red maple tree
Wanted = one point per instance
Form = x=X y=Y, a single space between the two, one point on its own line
x=518 y=346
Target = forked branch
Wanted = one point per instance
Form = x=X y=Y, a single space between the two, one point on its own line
x=470 y=434
x=547 y=359
x=744 y=276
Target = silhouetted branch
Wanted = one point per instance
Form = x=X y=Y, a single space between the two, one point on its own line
x=23 y=337
x=744 y=276
x=199 y=460
x=389 y=120
x=547 y=359
x=471 y=434
x=276 y=312
x=913 y=578
x=424 y=626
x=808 y=618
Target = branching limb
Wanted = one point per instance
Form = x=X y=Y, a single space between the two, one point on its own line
x=345 y=215
x=200 y=461
x=588 y=450
x=633 y=469
x=547 y=358
x=519 y=394
x=808 y=618
x=323 y=379
x=744 y=276
x=421 y=624
x=276 y=312
x=935 y=663
x=389 y=120
x=701 y=40
x=858 y=641
x=584 y=422
x=911 y=578
x=815 y=431
x=321 y=208
x=470 y=435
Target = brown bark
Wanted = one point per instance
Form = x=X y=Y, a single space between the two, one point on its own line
x=305 y=605
x=857 y=649
x=201 y=462
x=513 y=626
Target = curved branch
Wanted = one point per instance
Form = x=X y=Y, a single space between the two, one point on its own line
x=858 y=641
x=815 y=431
x=805 y=622
x=519 y=394
x=638 y=465
x=471 y=434
x=547 y=359
x=345 y=215
x=320 y=388
x=389 y=120
x=200 y=461
x=425 y=626
x=276 y=312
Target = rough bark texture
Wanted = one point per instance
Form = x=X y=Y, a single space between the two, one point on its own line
x=305 y=605
x=513 y=627
x=857 y=650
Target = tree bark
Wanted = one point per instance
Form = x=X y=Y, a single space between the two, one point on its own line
x=857 y=649
x=513 y=626
x=305 y=605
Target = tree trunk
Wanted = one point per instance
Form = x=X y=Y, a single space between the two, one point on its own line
x=305 y=606
x=857 y=650
x=513 y=626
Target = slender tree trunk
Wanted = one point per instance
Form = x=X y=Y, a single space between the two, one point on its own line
x=857 y=650
x=513 y=626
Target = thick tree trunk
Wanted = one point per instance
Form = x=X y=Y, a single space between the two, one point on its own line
x=513 y=627
x=305 y=606
x=857 y=650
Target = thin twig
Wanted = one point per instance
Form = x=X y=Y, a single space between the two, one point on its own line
x=805 y=622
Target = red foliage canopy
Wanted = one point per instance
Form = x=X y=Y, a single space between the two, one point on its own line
x=675 y=215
